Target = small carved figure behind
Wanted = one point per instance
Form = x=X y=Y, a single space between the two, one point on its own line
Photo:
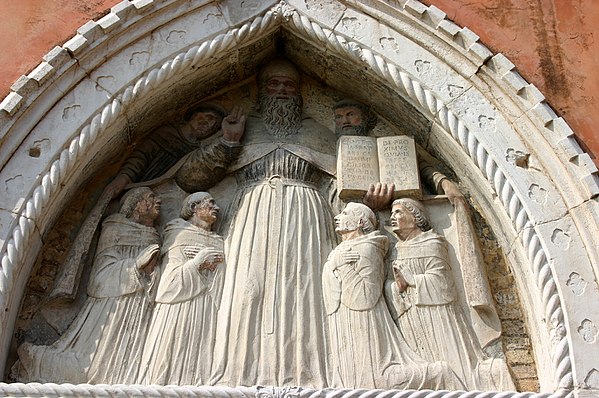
x=352 y=118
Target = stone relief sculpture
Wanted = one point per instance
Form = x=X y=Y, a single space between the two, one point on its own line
x=105 y=342
x=270 y=323
x=167 y=145
x=273 y=316
x=425 y=297
x=156 y=159
x=181 y=336
x=367 y=349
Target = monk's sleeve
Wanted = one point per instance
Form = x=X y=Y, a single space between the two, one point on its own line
x=138 y=162
x=114 y=274
x=207 y=165
x=434 y=286
x=181 y=280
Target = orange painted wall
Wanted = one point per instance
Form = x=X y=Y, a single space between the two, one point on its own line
x=553 y=43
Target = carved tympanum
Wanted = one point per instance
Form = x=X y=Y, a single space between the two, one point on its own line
x=272 y=315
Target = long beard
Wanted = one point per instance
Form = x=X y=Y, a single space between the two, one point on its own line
x=282 y=117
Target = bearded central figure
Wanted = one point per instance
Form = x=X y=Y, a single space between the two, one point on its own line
x=271 y=322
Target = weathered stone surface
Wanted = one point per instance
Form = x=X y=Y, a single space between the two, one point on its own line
x=447 y=284
x=527 y=188
x=357 y=165
x=555 y=61
x=398 y=165
x=231 y=298
x=46 y=141
x=119 y=292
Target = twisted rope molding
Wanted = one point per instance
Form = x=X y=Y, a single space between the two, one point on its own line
x=482 y=159
x=121 y=390
x=61 y=167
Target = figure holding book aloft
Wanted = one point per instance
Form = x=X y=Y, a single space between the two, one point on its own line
x=396 y=162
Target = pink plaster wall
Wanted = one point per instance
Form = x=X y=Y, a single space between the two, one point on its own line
x=31 y=28
x=553 y=43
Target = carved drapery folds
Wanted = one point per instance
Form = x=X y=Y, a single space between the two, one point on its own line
x=518 y=201
x=265 y=313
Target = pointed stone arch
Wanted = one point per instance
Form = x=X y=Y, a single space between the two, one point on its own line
x=518 y=159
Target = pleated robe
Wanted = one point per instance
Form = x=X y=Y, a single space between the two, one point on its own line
x=181 y=338
x=432 y=321
x=103 y=345
x=280 y=231
x=367 y=349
